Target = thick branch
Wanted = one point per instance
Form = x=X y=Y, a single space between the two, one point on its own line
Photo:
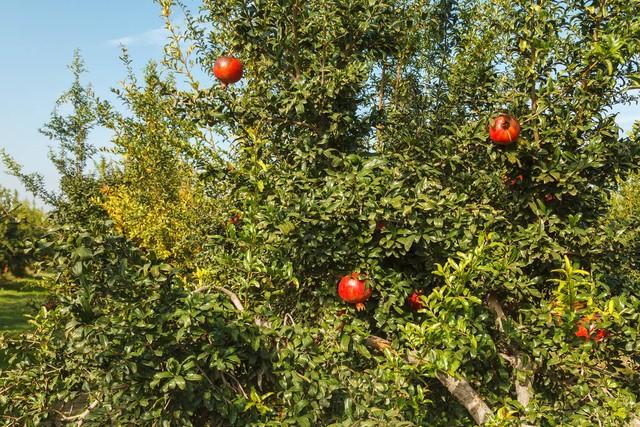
x=466 y=395
x=459 y=388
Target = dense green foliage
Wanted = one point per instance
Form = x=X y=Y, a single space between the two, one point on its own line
x=357 y=141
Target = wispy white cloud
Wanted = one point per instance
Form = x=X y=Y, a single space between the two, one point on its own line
x=155 y=37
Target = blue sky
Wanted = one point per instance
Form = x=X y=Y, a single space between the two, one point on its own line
x=39 y=39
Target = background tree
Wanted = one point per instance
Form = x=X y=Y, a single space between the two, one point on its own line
x=20 y=224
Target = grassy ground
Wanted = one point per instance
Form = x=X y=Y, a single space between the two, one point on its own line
x=18 y=297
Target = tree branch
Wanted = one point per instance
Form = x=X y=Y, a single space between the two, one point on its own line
x=458 y=387
x=235 y=300
x=466 y=395
x=518 y=362
x=82 y=415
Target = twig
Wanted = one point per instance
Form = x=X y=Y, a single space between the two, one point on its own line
x=232 y=295
x=517 y=361
x=82 y=415
x=235 y=300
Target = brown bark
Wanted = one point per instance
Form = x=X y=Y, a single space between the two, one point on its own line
x=467 y=396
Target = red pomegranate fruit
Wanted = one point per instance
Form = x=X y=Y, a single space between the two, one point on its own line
x=504 y=130
x=588 y=329
x=227 y=69
x=353 y=290
x=414 y=301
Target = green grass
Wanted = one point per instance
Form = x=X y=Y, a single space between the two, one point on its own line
x=18 y=298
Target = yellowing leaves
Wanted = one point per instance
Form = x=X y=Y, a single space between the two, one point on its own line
x=164 y=220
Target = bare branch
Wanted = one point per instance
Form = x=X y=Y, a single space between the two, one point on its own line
x=467 y=396
x=82 y=415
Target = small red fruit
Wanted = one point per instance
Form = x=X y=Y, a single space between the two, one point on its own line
x=582 y=332
x=235 y=219
x=601 y=335
x=414 y=301
x=353 y=290
x=380 y=225
x=227 y=69
x=586 y=333
x=549 y=198
x=504 y=130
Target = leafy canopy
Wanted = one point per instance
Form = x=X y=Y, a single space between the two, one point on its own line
x=357 y=141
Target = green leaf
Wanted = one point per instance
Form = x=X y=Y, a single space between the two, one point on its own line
x=83 y=253
x=344 y=343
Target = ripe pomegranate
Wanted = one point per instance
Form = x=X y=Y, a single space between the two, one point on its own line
x=414 y=301
x=353 y=290
x=227 y=69
x=592 y=331
x=504 y=130
x=601 y=335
